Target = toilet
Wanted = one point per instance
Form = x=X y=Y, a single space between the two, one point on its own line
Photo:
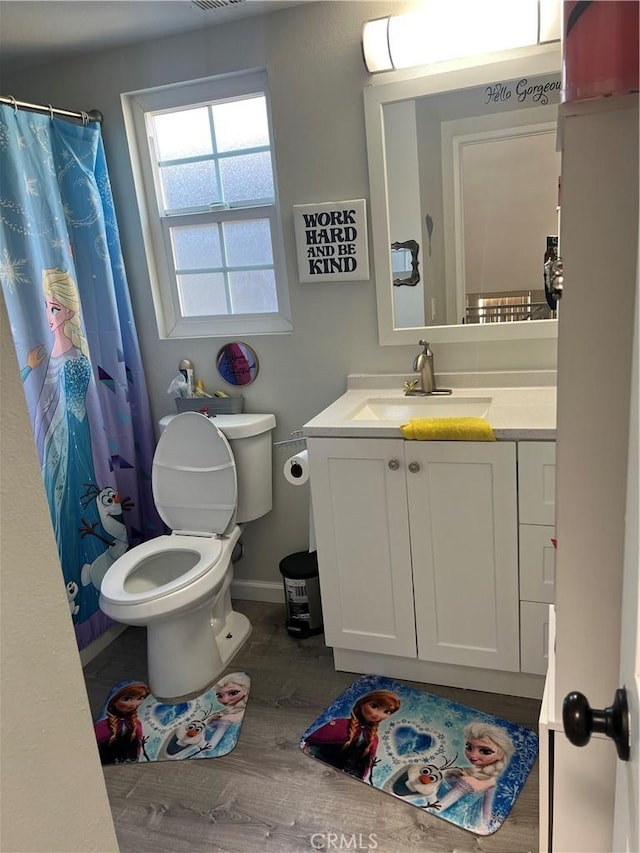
x=210 y=476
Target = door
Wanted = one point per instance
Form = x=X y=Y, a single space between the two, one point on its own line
x=464 y=546
x=626 y=826
x=362 y=532
x=599 y=244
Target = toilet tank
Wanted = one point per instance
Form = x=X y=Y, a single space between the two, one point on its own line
x=251 y=442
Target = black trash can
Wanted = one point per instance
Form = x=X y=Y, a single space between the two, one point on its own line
x=302 y=593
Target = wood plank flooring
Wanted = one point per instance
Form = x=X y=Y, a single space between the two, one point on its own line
x=267 y=796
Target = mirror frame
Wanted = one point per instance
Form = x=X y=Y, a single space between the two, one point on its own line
x=443 y=77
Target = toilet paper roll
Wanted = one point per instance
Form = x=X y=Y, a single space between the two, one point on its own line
x=296 y=468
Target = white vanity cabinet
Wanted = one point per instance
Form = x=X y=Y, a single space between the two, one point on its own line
x=417 y=548
x=436 y=557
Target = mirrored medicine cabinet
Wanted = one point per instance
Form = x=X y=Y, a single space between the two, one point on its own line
x=464 y=169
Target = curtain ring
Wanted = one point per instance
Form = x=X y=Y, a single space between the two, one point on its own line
x=50 y=111
x=14 y=104
x=85 y=118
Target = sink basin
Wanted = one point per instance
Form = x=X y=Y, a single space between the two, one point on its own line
x=402 y=409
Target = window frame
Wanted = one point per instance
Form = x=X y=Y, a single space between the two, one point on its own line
x=156 y=224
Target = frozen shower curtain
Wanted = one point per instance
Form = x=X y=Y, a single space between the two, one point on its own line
x=68 y=303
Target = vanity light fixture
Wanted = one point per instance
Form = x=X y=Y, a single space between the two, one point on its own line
x=452 y=29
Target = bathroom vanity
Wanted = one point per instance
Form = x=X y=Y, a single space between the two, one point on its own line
x=436 y=559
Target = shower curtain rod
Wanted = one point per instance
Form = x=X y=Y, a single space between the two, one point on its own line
x=84 y=117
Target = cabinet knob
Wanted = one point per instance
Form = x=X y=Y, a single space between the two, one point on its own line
x=414 y=467
x=394 y=464
x=580 y=721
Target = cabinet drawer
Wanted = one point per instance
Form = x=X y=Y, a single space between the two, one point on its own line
x=537 y=563
x=534 y=637
x=537 y=482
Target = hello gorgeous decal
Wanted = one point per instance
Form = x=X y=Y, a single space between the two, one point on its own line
x=522 y=91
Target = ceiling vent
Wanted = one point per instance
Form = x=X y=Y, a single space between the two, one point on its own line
x=206 y=5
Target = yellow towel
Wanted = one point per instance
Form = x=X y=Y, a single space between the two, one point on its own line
x=448 y=429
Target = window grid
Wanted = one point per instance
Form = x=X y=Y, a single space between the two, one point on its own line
x=215 y=157
x=180 y=274
x=265 y=297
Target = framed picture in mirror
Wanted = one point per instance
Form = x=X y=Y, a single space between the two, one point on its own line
x=405 y=263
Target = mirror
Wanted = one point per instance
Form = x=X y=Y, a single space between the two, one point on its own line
x=464 y=163
x=237 y=363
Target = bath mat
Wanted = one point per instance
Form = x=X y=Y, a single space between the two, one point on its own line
x=134 y=726
x=462 y=765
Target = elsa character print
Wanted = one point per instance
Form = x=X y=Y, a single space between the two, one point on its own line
x=62 y=431
x=61 y=427
x=232 y=692
x=466 y=793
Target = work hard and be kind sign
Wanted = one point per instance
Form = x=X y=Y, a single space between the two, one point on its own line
x=331 y=239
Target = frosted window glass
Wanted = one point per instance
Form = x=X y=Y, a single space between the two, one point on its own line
x=183 y=134
x=241 y=124
x=253 y=292
x=189 y=185
x=247 y=176
x=195 y=247
x=202 y=294
x=248 y=243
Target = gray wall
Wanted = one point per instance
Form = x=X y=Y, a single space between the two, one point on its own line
x=53 y=792
x=314 y=61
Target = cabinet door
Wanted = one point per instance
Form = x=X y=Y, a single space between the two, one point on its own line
x=463 y=519
x=362 y=533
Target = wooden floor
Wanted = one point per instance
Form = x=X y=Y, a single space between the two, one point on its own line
x=267 y=795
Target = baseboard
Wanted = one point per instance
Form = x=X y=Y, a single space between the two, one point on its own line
x=89 y=652
x=449 y=675
x=248 y=590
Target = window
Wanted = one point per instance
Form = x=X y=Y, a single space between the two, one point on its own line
x=205 y=178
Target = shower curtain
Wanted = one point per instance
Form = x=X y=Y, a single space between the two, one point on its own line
x=67 y=299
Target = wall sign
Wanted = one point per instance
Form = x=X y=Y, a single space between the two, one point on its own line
x=523 y=91
x=331 y=239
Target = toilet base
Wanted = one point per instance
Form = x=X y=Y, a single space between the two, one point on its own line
x=186 y=657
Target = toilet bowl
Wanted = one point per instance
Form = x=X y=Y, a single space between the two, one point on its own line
x=178 y=585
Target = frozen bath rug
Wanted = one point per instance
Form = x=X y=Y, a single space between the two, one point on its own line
x=462 y=765
x=134 y=726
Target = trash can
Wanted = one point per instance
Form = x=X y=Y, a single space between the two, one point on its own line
x=302 y=593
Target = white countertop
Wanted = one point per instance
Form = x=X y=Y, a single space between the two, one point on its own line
x=516 y=412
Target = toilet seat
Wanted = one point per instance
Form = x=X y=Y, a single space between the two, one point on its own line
x=205 y=553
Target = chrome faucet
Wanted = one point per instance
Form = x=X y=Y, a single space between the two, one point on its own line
x=423 y=364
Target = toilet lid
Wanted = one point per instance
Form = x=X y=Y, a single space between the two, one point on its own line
x=194 y=477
